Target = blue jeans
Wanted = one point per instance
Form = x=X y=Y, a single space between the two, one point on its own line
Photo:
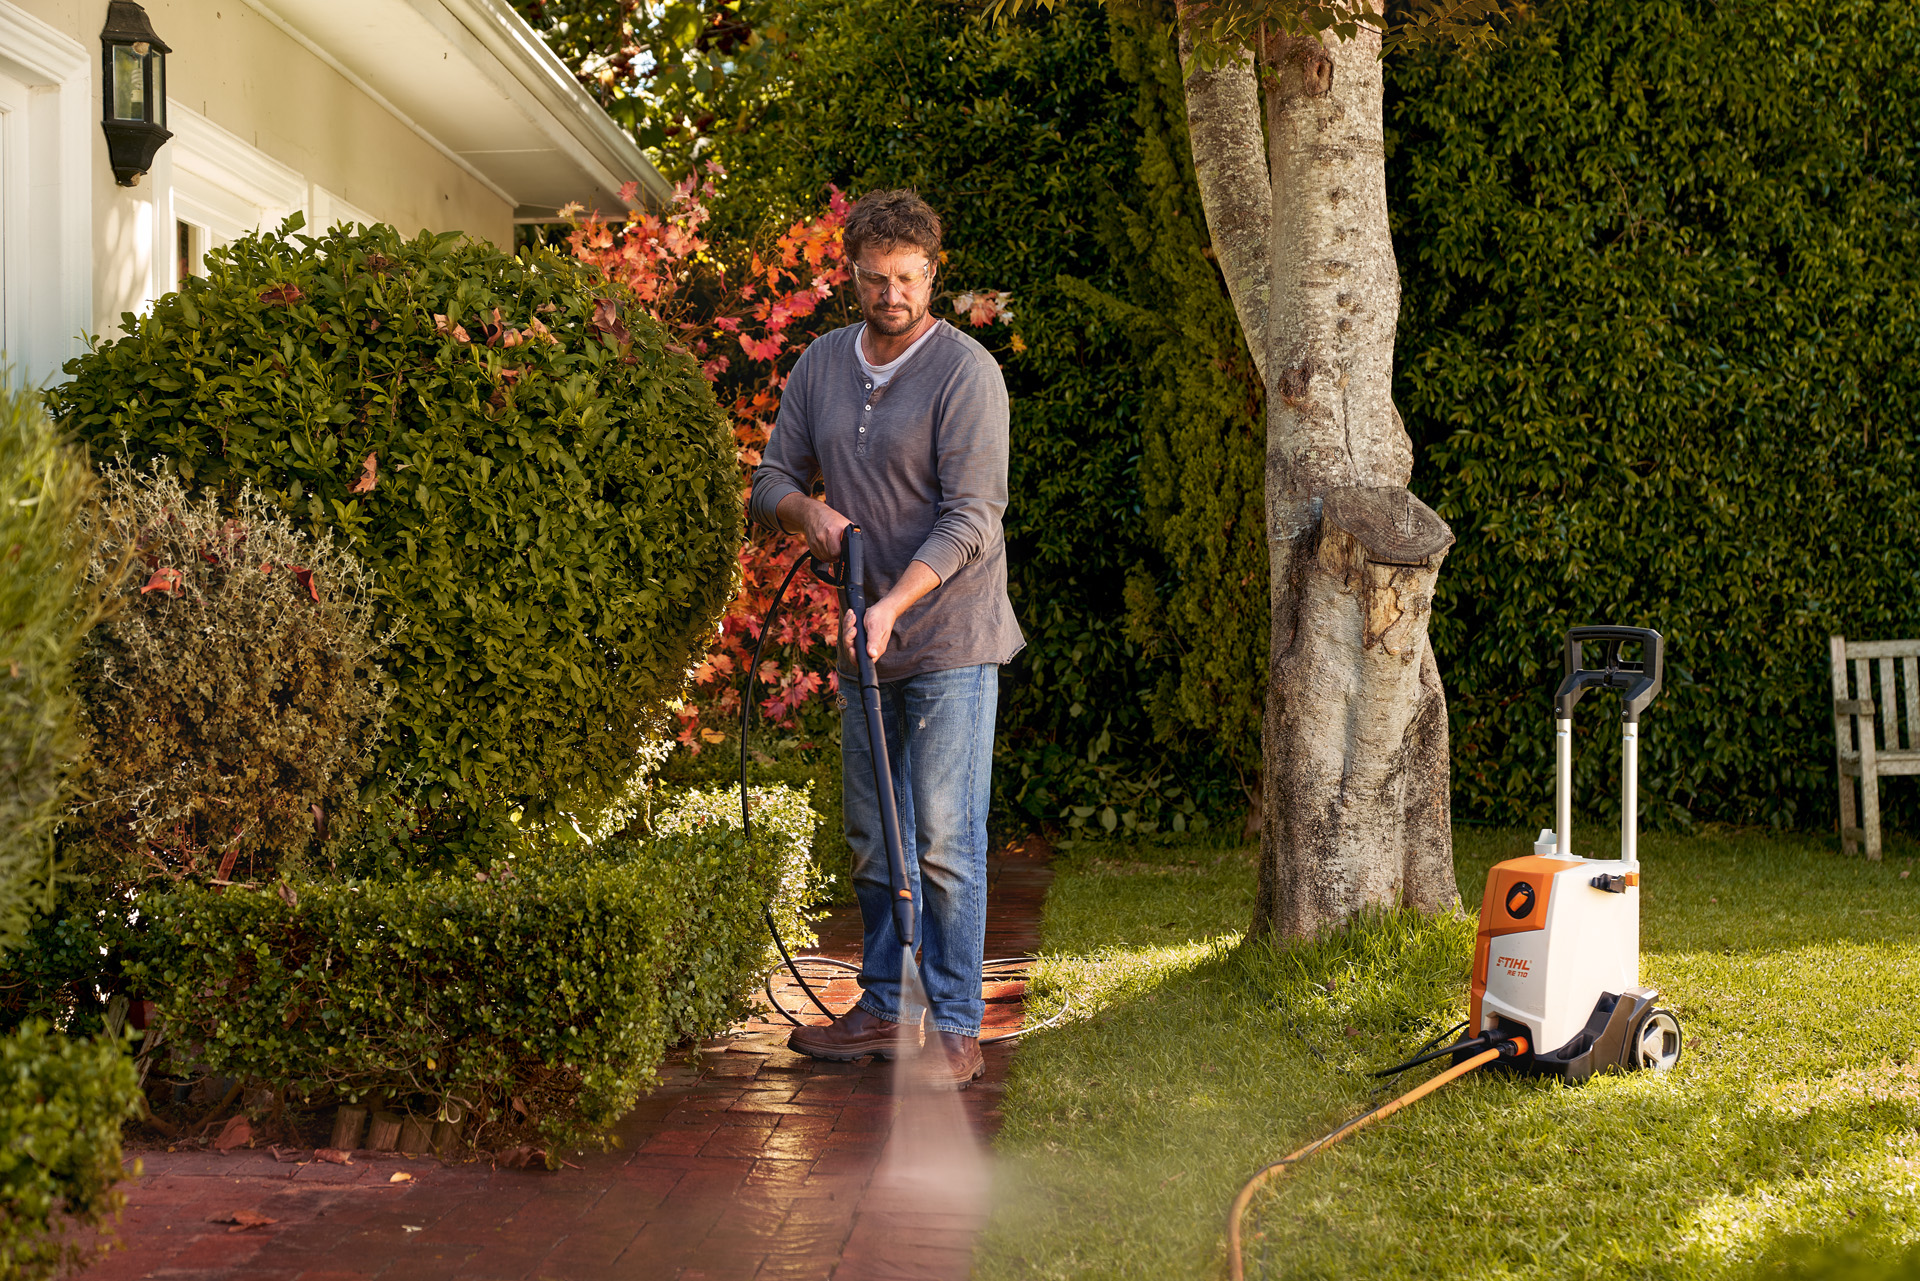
x=939 y=729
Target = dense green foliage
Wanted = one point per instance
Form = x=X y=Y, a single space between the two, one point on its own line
x=230 y=697
x=1661 y=301
x=1781 y=1146
x=45 y=609
x=540 y=994
x=1008 y=132
x=61 y=1105
x=542 y=490
x=1197 y=600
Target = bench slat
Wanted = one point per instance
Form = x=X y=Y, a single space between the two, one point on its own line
x=1883 y=649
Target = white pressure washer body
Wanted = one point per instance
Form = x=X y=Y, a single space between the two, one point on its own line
x=1558 y=954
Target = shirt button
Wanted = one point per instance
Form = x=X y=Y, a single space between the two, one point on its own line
x=868 y=408
x=863 y=431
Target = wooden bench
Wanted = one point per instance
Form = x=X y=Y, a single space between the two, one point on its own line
x=1876 y=701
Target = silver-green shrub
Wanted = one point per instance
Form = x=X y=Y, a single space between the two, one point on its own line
x=233 y=699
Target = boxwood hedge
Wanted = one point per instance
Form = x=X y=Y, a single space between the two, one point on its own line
x=539 y=995
x=62 y=1102
x=539 y=481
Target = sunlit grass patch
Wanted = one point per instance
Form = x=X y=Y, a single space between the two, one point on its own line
x=1785 y=1143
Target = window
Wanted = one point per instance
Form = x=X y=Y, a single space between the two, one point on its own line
x=190 y=251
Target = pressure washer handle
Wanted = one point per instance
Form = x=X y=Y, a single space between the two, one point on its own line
x=854 y=592
x=1637 y=683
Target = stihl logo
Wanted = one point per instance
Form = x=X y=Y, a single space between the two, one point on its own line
x=1513 y=965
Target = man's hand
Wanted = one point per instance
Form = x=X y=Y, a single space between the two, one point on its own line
x=822 y=526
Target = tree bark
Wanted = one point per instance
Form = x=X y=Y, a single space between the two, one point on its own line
x=1355 y=767
x=1223 y=128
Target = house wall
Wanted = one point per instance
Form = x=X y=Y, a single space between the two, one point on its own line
x=263 y=125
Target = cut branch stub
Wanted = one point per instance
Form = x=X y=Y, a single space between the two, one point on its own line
x=1392 y=526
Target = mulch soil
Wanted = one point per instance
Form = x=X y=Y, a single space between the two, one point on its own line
x=749 y=1161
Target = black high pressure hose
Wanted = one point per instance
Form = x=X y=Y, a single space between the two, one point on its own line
x=746 y=811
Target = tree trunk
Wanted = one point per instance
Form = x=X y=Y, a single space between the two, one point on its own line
x=1355 y=739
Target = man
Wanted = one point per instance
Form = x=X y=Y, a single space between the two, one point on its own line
x=904 y=418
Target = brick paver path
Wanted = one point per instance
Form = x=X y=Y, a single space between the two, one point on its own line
x=749 y=1161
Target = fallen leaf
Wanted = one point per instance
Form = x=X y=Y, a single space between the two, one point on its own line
x=412 y=1227
x=369 y=475
x=400 y=1176
x=288 y=1154
x=244 y=1219
x=163 y=580
x=521 y=1157
x=235 y=1132
x=282 y=295
x=305 y=577
x=333 y=1156
x=287 y=894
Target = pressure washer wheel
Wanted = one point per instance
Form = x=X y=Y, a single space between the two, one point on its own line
x=1655 y=1043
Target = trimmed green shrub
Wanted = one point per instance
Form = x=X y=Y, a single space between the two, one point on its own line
x=62 y=1103
x=540 y=485
x=231 y=698
x=1662 y=296
x=46 y=606
x=539 y=995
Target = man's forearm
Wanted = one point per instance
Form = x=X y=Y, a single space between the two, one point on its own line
x=791 y=513
x=915 y=583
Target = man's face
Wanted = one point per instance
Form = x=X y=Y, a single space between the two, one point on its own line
x=894 y=286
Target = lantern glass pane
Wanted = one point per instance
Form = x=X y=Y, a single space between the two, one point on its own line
x=129 y=84
x=158 y=112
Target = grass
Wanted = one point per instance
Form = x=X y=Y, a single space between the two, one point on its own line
x=1787 y=1142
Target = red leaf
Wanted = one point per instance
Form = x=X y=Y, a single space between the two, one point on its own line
x=305 y=575
x=244 y=1219
x=163 y=580
x=282 y=295
x=235 y=1132
x=333 y=1156
x=369 y=476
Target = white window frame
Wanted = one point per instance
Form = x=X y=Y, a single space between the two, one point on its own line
x=221 y=184
x=46 y=206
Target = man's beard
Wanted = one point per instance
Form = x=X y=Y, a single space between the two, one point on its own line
x=892 y=325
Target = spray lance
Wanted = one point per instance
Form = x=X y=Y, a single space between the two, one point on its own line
x=853 y=597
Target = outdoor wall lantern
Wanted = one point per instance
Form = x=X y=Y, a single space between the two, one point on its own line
x=134 y=81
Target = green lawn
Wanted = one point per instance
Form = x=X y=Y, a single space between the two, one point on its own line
x=1785 y=1144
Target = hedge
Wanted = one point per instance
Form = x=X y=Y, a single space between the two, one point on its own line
x=45 y=610
x=61 y=1106
x=1661 y=268
x=539 y=995
x=541 y=486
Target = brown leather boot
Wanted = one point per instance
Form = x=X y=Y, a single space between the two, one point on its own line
x=853 y=1035
x=959 y=1063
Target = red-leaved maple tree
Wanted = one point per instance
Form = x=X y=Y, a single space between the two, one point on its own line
x=746 y=315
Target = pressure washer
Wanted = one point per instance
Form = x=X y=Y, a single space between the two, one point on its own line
x=1556 y=962
x=848 y=577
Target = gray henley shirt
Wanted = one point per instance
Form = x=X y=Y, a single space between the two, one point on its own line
x=920 y=465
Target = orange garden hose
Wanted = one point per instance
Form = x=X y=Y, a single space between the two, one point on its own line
x=1235 y=1267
